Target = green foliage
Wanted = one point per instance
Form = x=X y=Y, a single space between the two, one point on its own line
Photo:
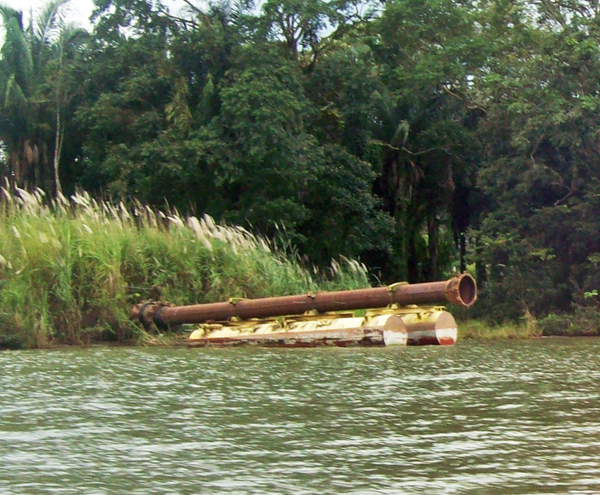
x=538 y=233
x=71 y=271
x=421 y=137
x=481 y=330
x=583 y=321
x=32 y=95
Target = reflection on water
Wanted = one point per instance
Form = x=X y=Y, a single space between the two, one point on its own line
x=495 y=418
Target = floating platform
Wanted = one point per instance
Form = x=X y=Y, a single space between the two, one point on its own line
x=399 y=314
x=389 y=327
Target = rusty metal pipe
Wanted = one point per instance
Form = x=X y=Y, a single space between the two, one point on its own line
x=461 y=290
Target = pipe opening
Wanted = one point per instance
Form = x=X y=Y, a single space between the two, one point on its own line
x=467 y=290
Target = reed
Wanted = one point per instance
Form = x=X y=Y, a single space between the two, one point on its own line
x=70 y=269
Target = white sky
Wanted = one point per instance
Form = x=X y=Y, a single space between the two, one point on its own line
x=79 y=11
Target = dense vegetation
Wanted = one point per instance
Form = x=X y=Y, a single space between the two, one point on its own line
x=71 y=271
x=419 y=136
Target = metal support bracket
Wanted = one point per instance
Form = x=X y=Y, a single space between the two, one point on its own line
x=393 y=287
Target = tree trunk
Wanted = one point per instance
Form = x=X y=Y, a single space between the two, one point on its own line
x=412 y=259
x=57 y=149
x=433 y=246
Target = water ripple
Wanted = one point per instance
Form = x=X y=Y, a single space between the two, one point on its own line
x=511 y=417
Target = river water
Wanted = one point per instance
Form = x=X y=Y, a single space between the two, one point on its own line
x=516 y=417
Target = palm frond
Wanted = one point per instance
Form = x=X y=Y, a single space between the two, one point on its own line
x=14 y=96
x=71 y=34
x=15 y=50
x=8 y=13
x=48 y=21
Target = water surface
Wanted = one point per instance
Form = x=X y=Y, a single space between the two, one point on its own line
x=491 y=418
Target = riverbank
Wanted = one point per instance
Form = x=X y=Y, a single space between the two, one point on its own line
x=70 y=270
x=480 y=330
x=583 y=322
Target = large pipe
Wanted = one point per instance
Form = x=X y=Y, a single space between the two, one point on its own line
x=461 y=290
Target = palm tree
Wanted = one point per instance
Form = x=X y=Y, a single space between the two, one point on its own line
x=62 y=90
x=29 y=111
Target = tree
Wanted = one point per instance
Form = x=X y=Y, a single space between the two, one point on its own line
x=299 y=22
x=267 y=156
x=62 y=87
x=540 y=171
x=27 y=110
x=422 y=139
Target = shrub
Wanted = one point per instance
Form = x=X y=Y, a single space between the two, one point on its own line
x=583 y=321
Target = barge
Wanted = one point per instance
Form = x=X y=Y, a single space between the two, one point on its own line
x=399 y=314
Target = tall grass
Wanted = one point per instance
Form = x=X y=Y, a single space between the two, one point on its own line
x=70 y=270
x=481 y=330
